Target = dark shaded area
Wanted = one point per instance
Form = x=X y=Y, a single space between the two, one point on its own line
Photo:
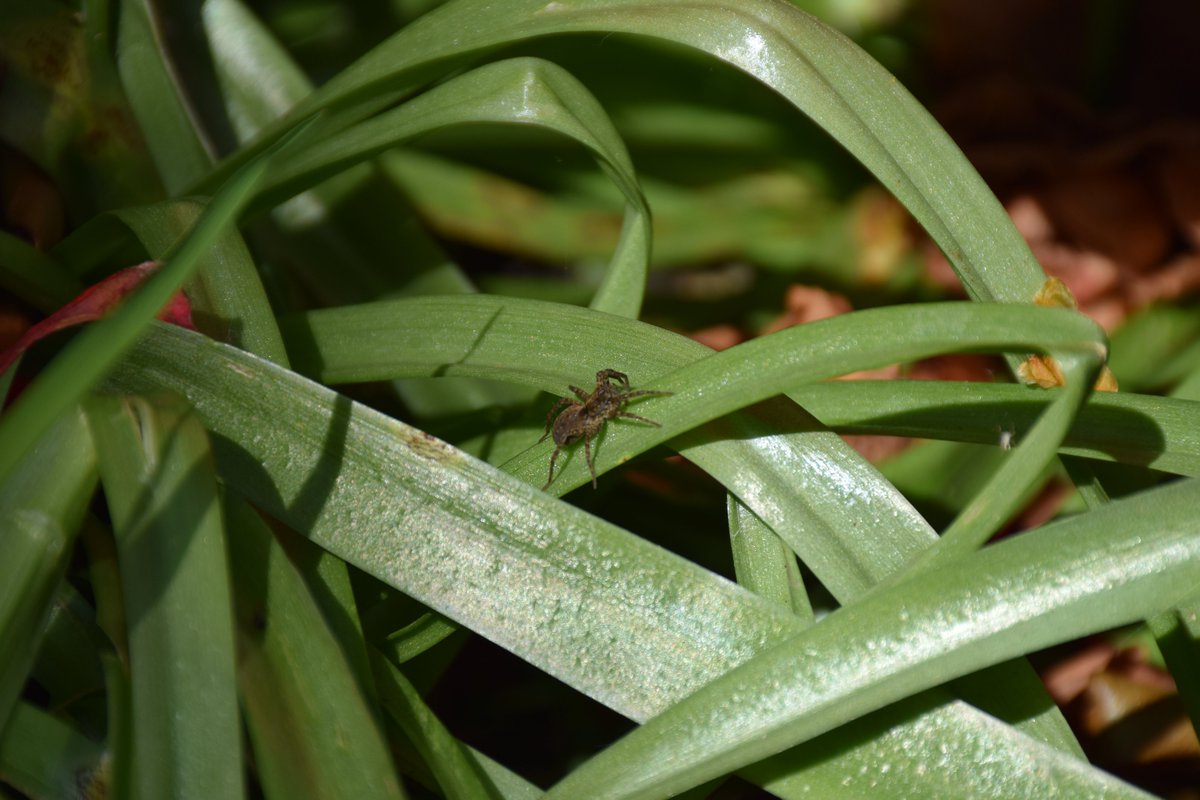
x=520 y=716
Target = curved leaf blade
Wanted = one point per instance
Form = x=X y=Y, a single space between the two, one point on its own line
x=520 y=91
x=1111 y=567
x=497 y=585
x=817 y=69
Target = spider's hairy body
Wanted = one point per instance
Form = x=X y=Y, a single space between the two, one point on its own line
x=583 y=418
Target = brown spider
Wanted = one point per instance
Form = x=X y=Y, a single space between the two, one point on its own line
x=586 y=416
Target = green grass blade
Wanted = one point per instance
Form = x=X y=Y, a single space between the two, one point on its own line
x=1177 y=633
x=1093 y=572
x=44 y=757
x=763 y=563
x=157 y=99
x=1162 y=433
x=41 y=506
x=158 y=477
x=312 y=732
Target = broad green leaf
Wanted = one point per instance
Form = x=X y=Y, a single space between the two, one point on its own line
x=434 y=515
x=312 y=732
x=158 y=478
x=763 y=457
x=922 y=748
x=631 y=625
x=404 y=338
x=1096 y=571
x=41 y=505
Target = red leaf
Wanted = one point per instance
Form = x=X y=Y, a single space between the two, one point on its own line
x=97 y=302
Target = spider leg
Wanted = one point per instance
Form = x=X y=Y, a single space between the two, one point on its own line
x=627 y=415
x=607 y=374
x=553 y=457
x=580 y=393
x=587 y=450
x=645 y=393
x=562 y=401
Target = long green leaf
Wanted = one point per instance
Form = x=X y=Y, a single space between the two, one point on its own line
x=312 y=732
x=158 y=477
x=157 y=98
x=1114 y=566
x=522 y=91
x=41 y=507
x=763 y=563
x=1162 y=433
x=633 y=626
x=772 y=471
x=44 y=757
x=434 y=510
x=405 y=338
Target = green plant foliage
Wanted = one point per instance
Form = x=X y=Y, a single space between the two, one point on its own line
x=158 y=478
x=312 y=501
x=42 y=505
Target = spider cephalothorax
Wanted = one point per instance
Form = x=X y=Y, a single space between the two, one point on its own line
x=583 y=418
